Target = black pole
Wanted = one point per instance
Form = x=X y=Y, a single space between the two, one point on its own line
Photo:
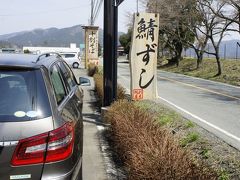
x=115 y=53
x=108 y=63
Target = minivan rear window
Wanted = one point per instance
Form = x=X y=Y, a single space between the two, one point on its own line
x=23 y=95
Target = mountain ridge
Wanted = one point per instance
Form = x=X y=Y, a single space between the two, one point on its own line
x=62 y=37
x=51 y=37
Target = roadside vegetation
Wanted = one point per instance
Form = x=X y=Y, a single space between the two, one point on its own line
x=230 y=75
x=153 y=142
x=97 y=73
x=149 y=150
x=201 y=144
x=195 y=25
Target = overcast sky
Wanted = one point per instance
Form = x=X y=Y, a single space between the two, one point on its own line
x=20 y=15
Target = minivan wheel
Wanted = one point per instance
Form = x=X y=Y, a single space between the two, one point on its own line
x=75 y=65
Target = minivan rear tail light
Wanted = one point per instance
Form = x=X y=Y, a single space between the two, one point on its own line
x=60 y=143
x=48 y=147
x=30 y=150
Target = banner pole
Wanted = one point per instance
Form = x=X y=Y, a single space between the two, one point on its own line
x=108 y=57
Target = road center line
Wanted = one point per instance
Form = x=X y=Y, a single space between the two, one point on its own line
x=198 y=78
x=202 y=120
x=197 y=87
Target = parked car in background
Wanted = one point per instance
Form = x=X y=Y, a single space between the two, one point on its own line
x=72 y=59
x=8 y=50
x=41 y=127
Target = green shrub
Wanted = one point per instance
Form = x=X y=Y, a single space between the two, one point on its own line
x=191 y=137
x=205 y=153
x=223 y=175
x=189 y=124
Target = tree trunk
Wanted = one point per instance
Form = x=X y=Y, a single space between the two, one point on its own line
x=179 y=50
x=173 y=61
x=218 y=61
x=199 y=59
x=177 y=55
x=219 y=66
x=177 y=59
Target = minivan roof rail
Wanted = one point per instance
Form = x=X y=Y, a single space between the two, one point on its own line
x=47 y=55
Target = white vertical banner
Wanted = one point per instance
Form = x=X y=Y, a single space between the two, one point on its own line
x=143 y=56
x=93 y=45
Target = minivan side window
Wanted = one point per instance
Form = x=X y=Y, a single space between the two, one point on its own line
x=58 y=84
x=68 y=75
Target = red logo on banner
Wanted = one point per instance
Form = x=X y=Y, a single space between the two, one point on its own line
x=137 y=94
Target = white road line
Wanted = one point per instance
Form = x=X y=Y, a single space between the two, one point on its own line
x=202 y=120
x=198 y=118
x=194 y=86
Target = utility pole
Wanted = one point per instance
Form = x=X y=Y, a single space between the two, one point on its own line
x=110 y=50
x=92 y=8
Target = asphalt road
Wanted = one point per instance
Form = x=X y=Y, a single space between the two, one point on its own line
x=214 y=106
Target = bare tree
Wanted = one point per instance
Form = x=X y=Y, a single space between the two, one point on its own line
x=173 y=29
x=217 y=28
x=192 y=23
x=209 y=26
x=200 y=22
x=231 y=13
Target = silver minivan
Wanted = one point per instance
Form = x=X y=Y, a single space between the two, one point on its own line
x=41 y=127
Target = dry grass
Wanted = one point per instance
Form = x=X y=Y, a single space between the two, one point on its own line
x=148 y=149
x=97 y=74
x=98 y=78
x=206 y=147
x=92 y=69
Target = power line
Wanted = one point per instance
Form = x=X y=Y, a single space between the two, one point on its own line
x=96 y=2
x=98 y=10
x=43 y=12
x=95 y=9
